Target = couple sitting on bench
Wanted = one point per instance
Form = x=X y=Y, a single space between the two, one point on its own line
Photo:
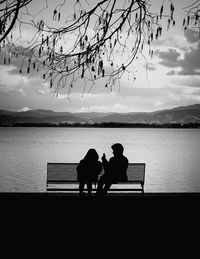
x=90 y=167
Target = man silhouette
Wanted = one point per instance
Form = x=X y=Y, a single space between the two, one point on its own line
x=115 y=169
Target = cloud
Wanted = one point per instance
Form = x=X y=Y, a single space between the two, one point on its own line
x=168 y=58
x=190 y=81
x=191 y=35
x=187 y=64
x=151 y=67
x=178 y=42
x=21 y=91
x=171 y=73
x=190 y=64
x=41 y=92
x=24 y=109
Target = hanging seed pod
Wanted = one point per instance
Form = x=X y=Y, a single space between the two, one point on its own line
x=161 y=12
x=54 y=14
x=101 y=65
x=51 y=83
x=172 y=10
x=40 y=52
x=83 y=71
x=151 y=36
x=188 y=20
x=49 y=57
x=156 y=35
x=47 y=40
x=28 y=70
x=54 y=42
x=157 y=19
x=196 y=19
x=168 y=25
x=160 y=30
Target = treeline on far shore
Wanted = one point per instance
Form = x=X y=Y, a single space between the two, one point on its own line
x=106 y=125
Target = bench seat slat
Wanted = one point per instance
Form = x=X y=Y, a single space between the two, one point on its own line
x=75 y=182
x=65 y=173
x=110 y=190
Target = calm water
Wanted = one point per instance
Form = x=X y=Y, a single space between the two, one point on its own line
x=171 y=155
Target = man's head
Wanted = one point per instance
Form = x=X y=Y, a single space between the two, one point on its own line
x=118 y=149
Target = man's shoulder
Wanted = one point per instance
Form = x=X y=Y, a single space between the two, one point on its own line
x=122 y=158
x=125 y=158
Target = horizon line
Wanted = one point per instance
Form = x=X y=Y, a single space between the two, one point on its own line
x=18 y=111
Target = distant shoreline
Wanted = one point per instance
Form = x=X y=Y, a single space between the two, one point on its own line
x=105 y=125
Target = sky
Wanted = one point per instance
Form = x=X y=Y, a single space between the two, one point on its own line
x=172 y=78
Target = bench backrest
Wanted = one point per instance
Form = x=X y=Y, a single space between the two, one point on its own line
x=61 y=172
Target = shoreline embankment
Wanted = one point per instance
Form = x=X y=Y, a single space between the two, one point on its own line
x=149 y=223
x=161 y=209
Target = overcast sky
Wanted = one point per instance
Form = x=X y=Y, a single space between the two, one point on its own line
x=172 y=78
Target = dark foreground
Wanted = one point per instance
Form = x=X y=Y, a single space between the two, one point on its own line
x=128 y=220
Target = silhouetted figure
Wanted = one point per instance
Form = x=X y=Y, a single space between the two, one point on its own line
x=115 y=169
x=88 y=170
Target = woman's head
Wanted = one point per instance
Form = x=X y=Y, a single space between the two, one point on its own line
x=92 y=154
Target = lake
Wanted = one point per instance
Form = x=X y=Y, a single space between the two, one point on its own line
x=171 y=155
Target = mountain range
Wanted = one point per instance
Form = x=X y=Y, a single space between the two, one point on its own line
x=182 y=114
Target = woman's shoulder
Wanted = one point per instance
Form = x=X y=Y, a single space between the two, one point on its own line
x=82 y=162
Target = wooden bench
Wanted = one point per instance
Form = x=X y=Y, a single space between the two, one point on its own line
x=63 y=177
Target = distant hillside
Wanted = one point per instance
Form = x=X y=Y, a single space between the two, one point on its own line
x=183 y=114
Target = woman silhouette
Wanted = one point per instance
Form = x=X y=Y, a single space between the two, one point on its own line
x=88 y=170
